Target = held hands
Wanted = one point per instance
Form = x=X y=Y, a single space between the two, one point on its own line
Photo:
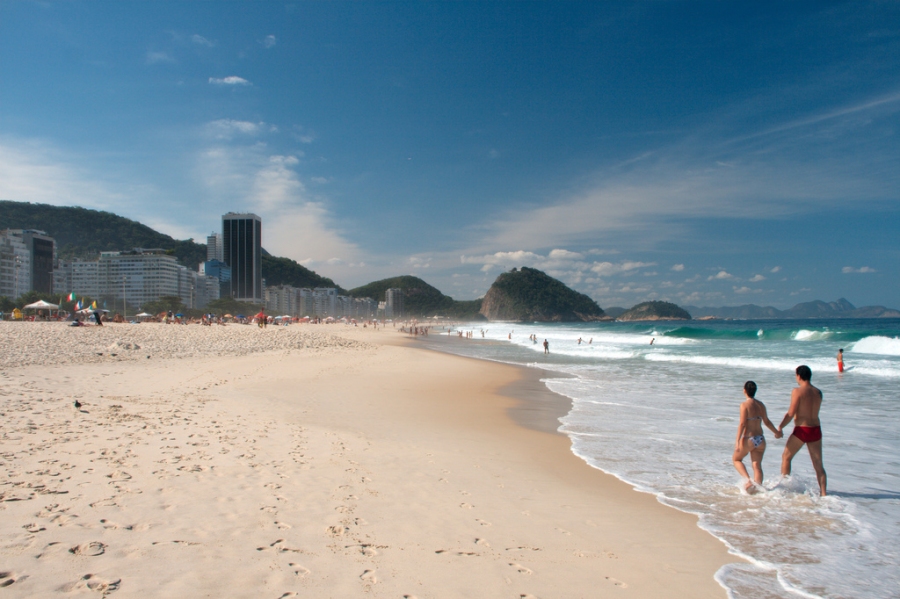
x=779 y=433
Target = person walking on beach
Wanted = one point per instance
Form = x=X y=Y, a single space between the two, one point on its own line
x=750 y=438
x=840 y=360
x=806 y=401
x=546 y=346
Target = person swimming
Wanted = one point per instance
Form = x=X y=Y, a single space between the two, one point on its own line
x=750 y=438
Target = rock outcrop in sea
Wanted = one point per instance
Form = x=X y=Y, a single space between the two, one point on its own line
x=655 y=311
x=529 y=295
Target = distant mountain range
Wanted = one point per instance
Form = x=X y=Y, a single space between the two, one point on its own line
x=815 y=309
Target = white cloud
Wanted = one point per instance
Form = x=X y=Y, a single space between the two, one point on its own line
x=745 y=289
x=230 y=80
x=157 y=58
x=228 y=128
x=757 y=278
x=775 y=269
x=678 y=267
x=607 y=269
x=270 y=41
x=295 y=224
x=864 y=269
x=202 y=41
x=721 y=275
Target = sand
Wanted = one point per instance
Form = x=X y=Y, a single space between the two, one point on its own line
x=308 y=461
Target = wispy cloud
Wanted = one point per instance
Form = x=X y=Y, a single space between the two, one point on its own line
x=863 y=269
x=157 y=57
x=269 y=41
x=230 y=80
x=757 y=278
x=228 y=128
x=202 y=41
x=677 y=267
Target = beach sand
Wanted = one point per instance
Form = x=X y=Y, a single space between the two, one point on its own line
x=308 y=461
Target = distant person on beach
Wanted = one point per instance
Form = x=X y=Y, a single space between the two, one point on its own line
x=546 y=346
x=97 y=319
x=806 y=401
x=840 y=359
x=750 y=438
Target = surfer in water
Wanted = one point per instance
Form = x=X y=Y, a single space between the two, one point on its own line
x=840 y=360
x=750 y=438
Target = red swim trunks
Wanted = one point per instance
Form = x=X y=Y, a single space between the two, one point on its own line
x=808 y=434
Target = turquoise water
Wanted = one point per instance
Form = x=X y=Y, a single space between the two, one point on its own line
x=663 y=418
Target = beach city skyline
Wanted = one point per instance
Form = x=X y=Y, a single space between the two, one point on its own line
x=697 y=153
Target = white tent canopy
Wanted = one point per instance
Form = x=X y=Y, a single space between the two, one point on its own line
x=41 y=305
x=143 y=315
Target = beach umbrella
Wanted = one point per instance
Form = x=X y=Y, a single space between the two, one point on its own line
x=180 y=315
x=42 y=305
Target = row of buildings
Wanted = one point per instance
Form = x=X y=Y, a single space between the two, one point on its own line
x=130 y=279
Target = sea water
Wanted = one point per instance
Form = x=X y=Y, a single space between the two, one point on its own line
x=663 y=418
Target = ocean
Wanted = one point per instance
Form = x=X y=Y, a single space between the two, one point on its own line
x=663 y=418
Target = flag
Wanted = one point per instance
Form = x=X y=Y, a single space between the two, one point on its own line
x=72 y=297
x=94 y=305
x=79 y=305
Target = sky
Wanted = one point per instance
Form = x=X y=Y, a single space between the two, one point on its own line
x=704 y=153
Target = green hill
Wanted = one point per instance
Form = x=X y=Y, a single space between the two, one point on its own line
x=284 y=271
x=84 y=233
x=527 y=295
x=419 y=298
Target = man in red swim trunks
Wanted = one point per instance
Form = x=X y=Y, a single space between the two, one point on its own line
x=804 y=411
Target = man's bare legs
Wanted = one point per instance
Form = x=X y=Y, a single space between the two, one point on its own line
x=791 y=448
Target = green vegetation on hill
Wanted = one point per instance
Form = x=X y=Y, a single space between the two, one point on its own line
x=84 y=233
x=655 y=311
x=528 y=294
x=420 y=298
x=284 y=271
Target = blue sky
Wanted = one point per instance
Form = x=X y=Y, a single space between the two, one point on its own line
x=706 y=153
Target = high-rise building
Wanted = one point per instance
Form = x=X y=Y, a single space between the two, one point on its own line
x=393 y=303
x=214 y=248
x=27 y=260
x=242 y=245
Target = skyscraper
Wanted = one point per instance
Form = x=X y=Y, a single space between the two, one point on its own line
x=214 y=249
x=242 y=244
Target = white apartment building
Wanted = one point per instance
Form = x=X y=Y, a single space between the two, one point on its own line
x=79 y=276
x=393 y=303
x=325 y=302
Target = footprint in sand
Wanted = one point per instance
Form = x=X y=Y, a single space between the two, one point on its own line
x=7 y=578
x=299 y=570
x=33 y=528
x=482 y=522
x=368 y=577
x=91 y=582
x=337 y=531
x=520 y=568
x=91 y=549
x=482 y=542
x=466 y=506
x=618 y=583
x=528 y=596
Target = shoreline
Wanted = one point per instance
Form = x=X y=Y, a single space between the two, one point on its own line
x=357 y=467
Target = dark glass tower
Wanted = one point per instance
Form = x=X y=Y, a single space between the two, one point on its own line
x=242 y=241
